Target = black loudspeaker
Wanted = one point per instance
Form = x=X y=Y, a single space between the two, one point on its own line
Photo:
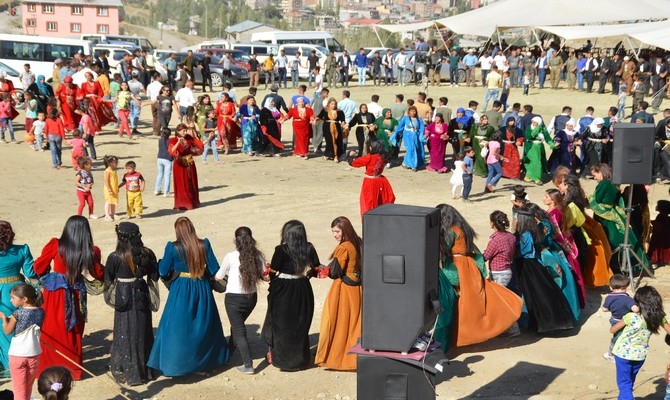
x=382 y=378
x=399 y=275
x=633 y=154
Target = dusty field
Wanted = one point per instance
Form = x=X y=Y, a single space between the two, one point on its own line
x=263 y=193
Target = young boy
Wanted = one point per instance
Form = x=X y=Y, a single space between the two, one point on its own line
x=134 y=182
x=37 y=129
x=618 y=303
x=468 y=165
x=27 y=77
x=638 y=94
x=621 y=105
x=506 y=86
x=210 y=136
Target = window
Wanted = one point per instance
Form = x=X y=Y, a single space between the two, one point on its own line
x=77 y=10
x=103 y=29
x=32 y=7
x=102 y=12
x=52 y=26
x=47 y=9
x=31 y=23
x=75 y=27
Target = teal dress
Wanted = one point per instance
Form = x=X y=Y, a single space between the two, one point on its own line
x=189 y=336
x=12 y=261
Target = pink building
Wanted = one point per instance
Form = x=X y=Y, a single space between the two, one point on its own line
x=70 y=18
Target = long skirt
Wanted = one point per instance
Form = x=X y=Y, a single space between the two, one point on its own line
x=186 y=194
x=375 y=192
x=564 y=276
x=480 y=169
x=512 y=167
x=534 y=161
x=444 y=330
x=597 y=271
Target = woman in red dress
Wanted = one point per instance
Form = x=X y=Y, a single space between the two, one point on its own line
x=229 y=131
x=73 y=255
x=511 y=138
x=183 y=148
x=67 y=94
x=303 y=117
x=376 y=189
x=99 y=111
x=6 y=86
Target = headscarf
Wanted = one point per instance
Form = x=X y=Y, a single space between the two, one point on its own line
x=538 y=120
x=464 y=119
x=41 y=85
x=270 y=104
x=594 y=125
x=384 y=111
x=571 y=132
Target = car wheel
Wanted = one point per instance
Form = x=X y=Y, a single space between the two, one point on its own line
x=409 y=76
x=461 y=75
x=217 y=80
x=21 y=104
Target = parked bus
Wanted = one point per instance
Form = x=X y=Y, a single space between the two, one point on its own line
x=39 y=51
x=317 y=38
x=138 y=41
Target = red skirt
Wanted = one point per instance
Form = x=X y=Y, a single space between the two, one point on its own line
x=659 y=245
x=511 y=168
x=186 y=195
x=375 y=192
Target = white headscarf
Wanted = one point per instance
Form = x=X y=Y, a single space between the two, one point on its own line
x=537 y=120
x=594 y=125
x=573 y=131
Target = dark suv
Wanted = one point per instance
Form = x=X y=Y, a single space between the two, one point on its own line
x=239 y=75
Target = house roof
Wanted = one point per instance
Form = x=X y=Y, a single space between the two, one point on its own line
x=243 y=26
x=362 y=21
x=106 y=3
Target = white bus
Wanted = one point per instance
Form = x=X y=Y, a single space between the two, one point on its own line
x=317 y=38
x=139 y=41
x=38 y=51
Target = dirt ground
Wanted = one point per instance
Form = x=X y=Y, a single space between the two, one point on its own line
x=263 y=193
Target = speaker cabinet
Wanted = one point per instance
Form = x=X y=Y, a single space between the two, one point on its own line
x=399 y=275
x=633 y=154
x=381 y=378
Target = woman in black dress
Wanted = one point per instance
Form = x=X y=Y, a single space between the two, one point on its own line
x=290 y=299
x=363 y=119
x=270 y=122
x=127 y=291
x=42 y=92
x=333 y=130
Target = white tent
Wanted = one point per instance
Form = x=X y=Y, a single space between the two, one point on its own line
x=656 y=38
x=527 y=13
x=416 y=26
x=604 y=35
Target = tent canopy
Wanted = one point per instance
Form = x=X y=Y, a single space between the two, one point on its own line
x=656 y=38
x=527 y=13
x=602 y=34
x=417 y=26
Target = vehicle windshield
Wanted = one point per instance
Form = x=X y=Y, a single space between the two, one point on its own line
x=334 y=45
x=322 y=49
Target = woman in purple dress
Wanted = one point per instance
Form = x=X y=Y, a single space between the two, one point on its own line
x=437 y=134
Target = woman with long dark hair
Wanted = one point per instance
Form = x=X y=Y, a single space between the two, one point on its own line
x=183 y=147
x=484 y=309
x=437 y=134
x=547 y=307
x=14 y=259
x=410 y=131
x=333 y=130
x=290 y=299
x=130 y=271
x=376 y=189
x=189 y=336
x=244 y=267
x=64 y=290
x=341 y=318
x=511 y=137
x=362 y=120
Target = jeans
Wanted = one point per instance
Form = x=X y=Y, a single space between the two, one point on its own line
x=269 y=78
x=626 y=371
x=388 y=76
x=502 y=278
x=91 y=147
x=7 y=123
x=134 y=115
x=294 y=79
x=212 y=144
x=164 y=175
x=361 y=76
x=401 y=76
x=238 y=308
x=171 y=76
x=38 y=140
x=56 y=147
x=182 y=112
x=485 y=73
x=491 y=94
x=344 y=77
x=467 y=185
x=310 y=76
x=282 y=76
x=495 y=173
x=541 y=76
x=377 y=77
x=580 y=81
x=317 y=96
x=453 y=76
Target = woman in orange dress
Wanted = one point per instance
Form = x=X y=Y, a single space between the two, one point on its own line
x=67 y=96
x=484 y=309
x=229 y=131
x=101 y=114
x=303 y=117
x=341 y=318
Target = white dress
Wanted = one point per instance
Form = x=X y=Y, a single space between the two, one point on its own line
x=457 y=174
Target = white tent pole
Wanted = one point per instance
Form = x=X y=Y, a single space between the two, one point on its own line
x=437 y=28
x=537 y=37
x=374 y=28
x=498 y=34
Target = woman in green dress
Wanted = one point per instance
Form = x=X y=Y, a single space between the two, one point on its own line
x=385 y=126
x=481 y=134
x=608 y=209
x=534 y=154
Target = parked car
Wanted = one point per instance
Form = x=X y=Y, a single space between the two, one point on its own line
x=239 y=57
x=239 y=74
x=411 y=66
x=13 y=76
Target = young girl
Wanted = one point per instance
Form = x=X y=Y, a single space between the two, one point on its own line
x=519 y=198
x=526 y=83
x=630 y=350
x=6 y=117
x=55 y=383
x=203 y=107
x=189 y=120
x=122 y=99
x=244 y=267
x=78 y=145
x=56 y=135
x=500 y=250
x=24 y=350
x=83 y=180
x=457 y=176
x=31 y=114
x=87 y=130
x=209 y=135
x=111 y=189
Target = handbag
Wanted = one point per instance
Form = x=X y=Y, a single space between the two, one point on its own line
x=219 y=286
x=484 y=152
x=336 y=272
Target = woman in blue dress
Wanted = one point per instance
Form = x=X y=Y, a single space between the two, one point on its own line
x=410 y=131
x=189 y=336
x=14 y=258
x=249 y=114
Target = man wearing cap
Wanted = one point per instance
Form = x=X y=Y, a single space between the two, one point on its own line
x=470 y=61
x=136 y=88
x=55 y=75
x=279 y=101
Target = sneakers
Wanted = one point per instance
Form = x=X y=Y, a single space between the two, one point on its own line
x=246 y=370
x=423 y=341
x=168 y=195
x=467 y=201
x=92 y=216
x=157 y=192
x=607 y=356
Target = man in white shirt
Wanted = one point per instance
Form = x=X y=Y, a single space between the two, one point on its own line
x=318 y=83
x=79 y=77
x=499 y=61
x=590 y=71
x=153 y=90
x=374 y=107
x=281 y=62
x=542 y=66
x=485 y=63
x=185 y=98
x=400 y=61
x=348 y=107
x=136 y=88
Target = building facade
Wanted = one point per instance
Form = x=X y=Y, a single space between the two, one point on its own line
x=70 y=18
